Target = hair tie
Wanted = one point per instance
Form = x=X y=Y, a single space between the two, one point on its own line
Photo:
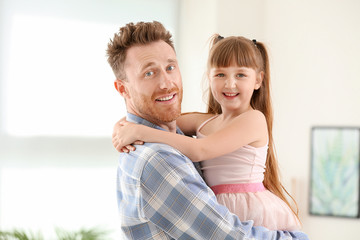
x=220 y=37
x=254 y=41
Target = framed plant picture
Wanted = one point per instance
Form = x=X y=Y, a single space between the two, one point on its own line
x=334 y=186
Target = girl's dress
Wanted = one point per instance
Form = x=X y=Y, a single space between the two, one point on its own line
x=236 y=179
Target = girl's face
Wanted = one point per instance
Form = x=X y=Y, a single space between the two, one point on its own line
x=233 y=87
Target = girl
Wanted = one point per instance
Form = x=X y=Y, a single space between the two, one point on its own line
x=234 y=139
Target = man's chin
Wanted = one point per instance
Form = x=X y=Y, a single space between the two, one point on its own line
x=159 y=114
x=169 y=117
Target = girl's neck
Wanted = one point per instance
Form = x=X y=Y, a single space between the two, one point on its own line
x=228 y=115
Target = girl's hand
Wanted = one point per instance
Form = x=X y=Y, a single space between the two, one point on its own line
x=124 y=136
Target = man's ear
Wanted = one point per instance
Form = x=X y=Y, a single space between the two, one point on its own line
x=259 y=80
x=121 y=87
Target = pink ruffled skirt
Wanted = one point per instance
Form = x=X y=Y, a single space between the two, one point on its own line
x=254 y=202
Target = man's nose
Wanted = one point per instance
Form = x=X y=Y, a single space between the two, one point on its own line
x=165 y=80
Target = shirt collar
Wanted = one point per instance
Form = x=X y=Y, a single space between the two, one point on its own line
x=136 y=119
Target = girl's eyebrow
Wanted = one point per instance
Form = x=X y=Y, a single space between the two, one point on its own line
x=223 y=68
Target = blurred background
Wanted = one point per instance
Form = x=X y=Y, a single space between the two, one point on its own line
x=58 y=104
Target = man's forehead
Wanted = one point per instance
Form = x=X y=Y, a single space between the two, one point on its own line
x=159 y=49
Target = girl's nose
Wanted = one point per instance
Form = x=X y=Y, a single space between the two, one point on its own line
x=230 y=82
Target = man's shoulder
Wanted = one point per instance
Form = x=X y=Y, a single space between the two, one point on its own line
x=154 y=153
x=151 y=150
x=148 y=155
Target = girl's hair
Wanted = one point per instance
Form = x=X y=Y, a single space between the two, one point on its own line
x=251 y=54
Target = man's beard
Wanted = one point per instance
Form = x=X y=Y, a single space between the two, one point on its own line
x=149 y=111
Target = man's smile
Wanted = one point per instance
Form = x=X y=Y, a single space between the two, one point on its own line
x=165 y=98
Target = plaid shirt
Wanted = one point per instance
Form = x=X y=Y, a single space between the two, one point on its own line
x=162 y=196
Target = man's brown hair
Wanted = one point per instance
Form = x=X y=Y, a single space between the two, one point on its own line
x=131 y=34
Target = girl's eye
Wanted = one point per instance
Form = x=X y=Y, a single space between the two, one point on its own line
x=240 y=75
x=220 y=75
x=149 y=74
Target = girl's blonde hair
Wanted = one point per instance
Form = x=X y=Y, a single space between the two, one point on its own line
x=251 y=54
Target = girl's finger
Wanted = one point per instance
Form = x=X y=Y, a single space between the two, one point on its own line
x=124 y=150
x=130 y=147
x=138 y=142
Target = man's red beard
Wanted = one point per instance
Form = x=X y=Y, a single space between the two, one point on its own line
x=148 y=110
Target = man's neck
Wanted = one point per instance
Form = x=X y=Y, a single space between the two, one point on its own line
x=168 y=126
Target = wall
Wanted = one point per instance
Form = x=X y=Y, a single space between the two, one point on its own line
x=314 y=51
x=195 y=28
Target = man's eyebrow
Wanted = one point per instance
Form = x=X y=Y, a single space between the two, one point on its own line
x=146 y=65
x=150 y=64
x=172 y=60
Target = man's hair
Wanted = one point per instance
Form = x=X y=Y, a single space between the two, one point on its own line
x=131 y=34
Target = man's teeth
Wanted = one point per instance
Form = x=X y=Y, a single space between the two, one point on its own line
x=230 y=94
x=165 y=98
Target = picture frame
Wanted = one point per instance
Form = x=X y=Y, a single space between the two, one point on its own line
x=335 y=172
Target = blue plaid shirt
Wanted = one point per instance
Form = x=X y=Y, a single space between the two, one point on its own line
x=162 y=196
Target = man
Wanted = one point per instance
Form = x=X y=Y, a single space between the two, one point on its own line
x=160 y=193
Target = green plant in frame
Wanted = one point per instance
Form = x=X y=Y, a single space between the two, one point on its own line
x=82 y=234
x=335 y=172
x=20 y=235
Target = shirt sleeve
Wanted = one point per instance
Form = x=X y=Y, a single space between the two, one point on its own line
x=176 y=199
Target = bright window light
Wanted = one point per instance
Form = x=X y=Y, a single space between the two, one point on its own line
x=58 y=80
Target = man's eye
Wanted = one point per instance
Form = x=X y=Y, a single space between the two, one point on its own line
x=149 y=74
x=170 y=68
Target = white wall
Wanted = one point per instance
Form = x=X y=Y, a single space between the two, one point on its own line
x=195 y=29
x=316 y=82
x=314 y=49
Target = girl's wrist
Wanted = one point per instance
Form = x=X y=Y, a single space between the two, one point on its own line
x=140 y=129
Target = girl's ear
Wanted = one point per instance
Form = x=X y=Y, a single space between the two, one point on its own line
x=259 y=80
x=120 y=86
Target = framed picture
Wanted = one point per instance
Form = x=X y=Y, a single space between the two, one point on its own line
x=334 y=186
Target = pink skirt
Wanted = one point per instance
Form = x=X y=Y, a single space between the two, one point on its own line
x=254 y=202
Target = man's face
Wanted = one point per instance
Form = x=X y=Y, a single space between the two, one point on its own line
x=153 y=87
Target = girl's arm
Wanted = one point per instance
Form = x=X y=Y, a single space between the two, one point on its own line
x=248 y=128
x=187 y=122
x=123 y=140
